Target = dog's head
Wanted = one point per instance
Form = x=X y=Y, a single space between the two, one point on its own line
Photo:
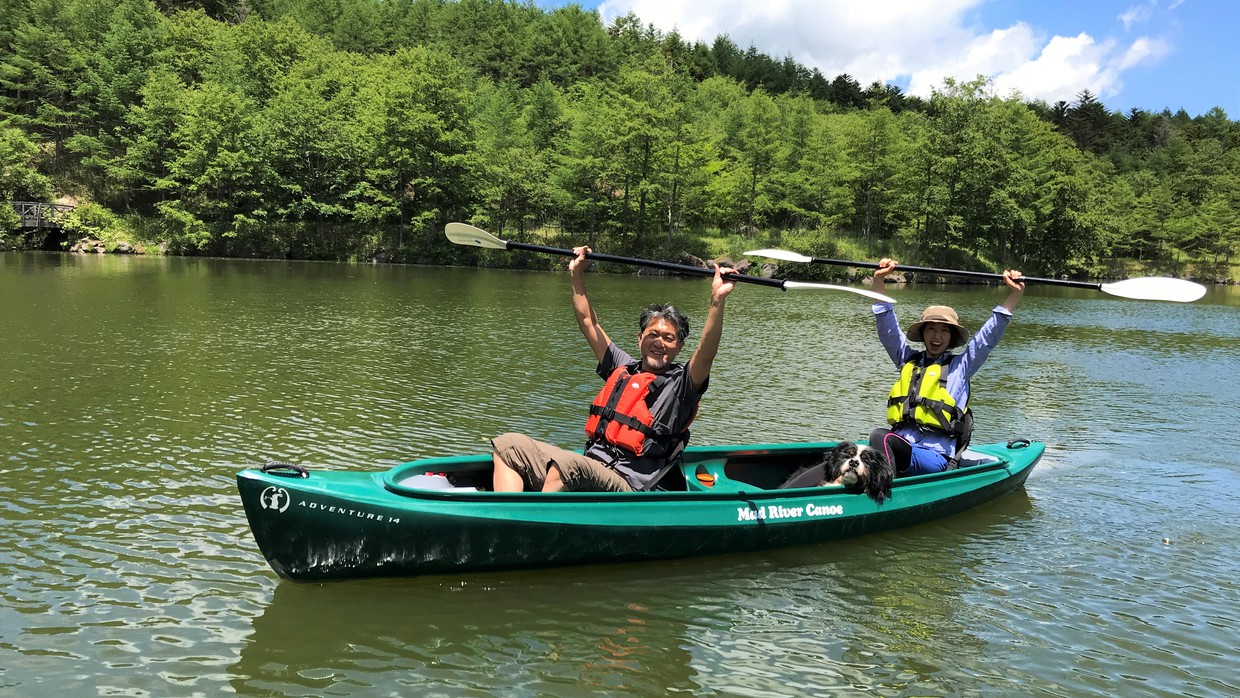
x=855 y=465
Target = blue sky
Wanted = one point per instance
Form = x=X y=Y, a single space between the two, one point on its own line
x=1150 y=54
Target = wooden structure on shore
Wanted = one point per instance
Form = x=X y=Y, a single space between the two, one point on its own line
x=35 y=214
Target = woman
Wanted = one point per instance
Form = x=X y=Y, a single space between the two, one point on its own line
x=927 y=410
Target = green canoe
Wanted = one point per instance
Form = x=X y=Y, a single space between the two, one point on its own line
x=435 y=516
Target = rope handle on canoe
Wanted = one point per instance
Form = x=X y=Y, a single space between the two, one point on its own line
x=1018 y=443
x=285 y=469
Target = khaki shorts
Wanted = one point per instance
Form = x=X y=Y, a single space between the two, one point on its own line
x=532 y=458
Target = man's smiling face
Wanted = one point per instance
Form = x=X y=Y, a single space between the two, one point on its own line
x=660 y=343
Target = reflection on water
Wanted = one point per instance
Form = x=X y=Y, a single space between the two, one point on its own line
x=730 y=624
x=133 y=389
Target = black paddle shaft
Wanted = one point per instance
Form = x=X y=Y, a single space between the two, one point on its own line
x=652 y=263
x=957 y=272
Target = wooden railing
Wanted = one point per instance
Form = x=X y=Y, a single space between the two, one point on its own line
x=35 y=214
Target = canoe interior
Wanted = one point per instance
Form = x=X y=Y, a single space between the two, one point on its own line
x=705 y=469
x=756 y=467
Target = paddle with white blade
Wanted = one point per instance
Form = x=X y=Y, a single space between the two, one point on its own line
x=465 y=234
x=1146 y=288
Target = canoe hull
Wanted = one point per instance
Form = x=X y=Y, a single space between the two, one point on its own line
x=334 y=525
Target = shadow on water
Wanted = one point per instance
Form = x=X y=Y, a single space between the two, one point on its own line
x=831 y=616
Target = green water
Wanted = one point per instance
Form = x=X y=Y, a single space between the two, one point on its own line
x=132 y=390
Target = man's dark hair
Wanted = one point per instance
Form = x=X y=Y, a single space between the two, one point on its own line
x=661 y=311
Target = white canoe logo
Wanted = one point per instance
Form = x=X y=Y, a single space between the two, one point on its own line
x=275 y=498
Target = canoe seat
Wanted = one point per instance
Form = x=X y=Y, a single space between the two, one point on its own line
x=432 y=482
x=709 y=476
x=968 y=458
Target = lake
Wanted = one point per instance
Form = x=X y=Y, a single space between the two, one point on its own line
x=132 y=389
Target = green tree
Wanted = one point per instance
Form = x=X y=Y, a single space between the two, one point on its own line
x=564 y=46
x=944 y=165
x=621 y=151
x=194 y=46
x=110 y=85
x=1051 y=189
x=222 y=10
x=147 y=141
x=716 y=113
x=315 y=150
x=41 y=71
x=727 y=57
x=545 y=116
x=685 y=151
x=414 y=22
x=216 y=170
x=513 y=172
x=632 y=41
x=419 y=153
x=20 y=180
x=793 y=196
x=582 y=190
x=755 y=145
x=640 y=109
x=486 y=35
x=872 y=143
x=360 y=27
x=1089 y=124
x=1147 y=222
x=258 y=57
x=995 y=183
x=846 y=92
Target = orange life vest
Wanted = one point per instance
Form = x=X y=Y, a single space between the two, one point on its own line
x=620 y=414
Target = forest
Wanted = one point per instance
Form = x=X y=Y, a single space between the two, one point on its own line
x=355 y=129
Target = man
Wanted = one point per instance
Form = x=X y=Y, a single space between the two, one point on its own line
x=639 y=421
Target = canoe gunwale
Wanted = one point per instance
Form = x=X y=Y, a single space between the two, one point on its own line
x=724 y=487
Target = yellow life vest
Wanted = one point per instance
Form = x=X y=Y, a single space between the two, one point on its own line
x=920 y=397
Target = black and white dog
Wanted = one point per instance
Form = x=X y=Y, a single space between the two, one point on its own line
x=859 y=467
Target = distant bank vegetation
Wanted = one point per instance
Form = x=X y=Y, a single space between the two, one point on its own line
x=354 y=129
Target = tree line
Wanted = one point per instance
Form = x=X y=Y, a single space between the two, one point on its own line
x=354 y=129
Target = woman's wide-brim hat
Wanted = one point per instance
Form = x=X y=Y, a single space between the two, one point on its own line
x=944 y=315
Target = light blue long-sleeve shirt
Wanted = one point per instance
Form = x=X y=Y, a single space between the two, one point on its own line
x=961 y=367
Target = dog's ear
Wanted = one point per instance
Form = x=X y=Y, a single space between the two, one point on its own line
x=831 y=469
x=833 y=462
x=878 y=485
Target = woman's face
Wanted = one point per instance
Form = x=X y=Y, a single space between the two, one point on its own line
x=937 y=336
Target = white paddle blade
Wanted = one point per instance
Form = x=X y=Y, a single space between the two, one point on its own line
x=466 y=234
x=780 y=254
x=1156 y=288
x=794 y=285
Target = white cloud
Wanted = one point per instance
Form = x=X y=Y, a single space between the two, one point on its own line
x=1144 y=51
x=1001 y=52
x=909 y=42
x=1138 y=14
x=1064 y=67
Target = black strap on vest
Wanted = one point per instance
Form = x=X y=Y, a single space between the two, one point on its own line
x=609 y=414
